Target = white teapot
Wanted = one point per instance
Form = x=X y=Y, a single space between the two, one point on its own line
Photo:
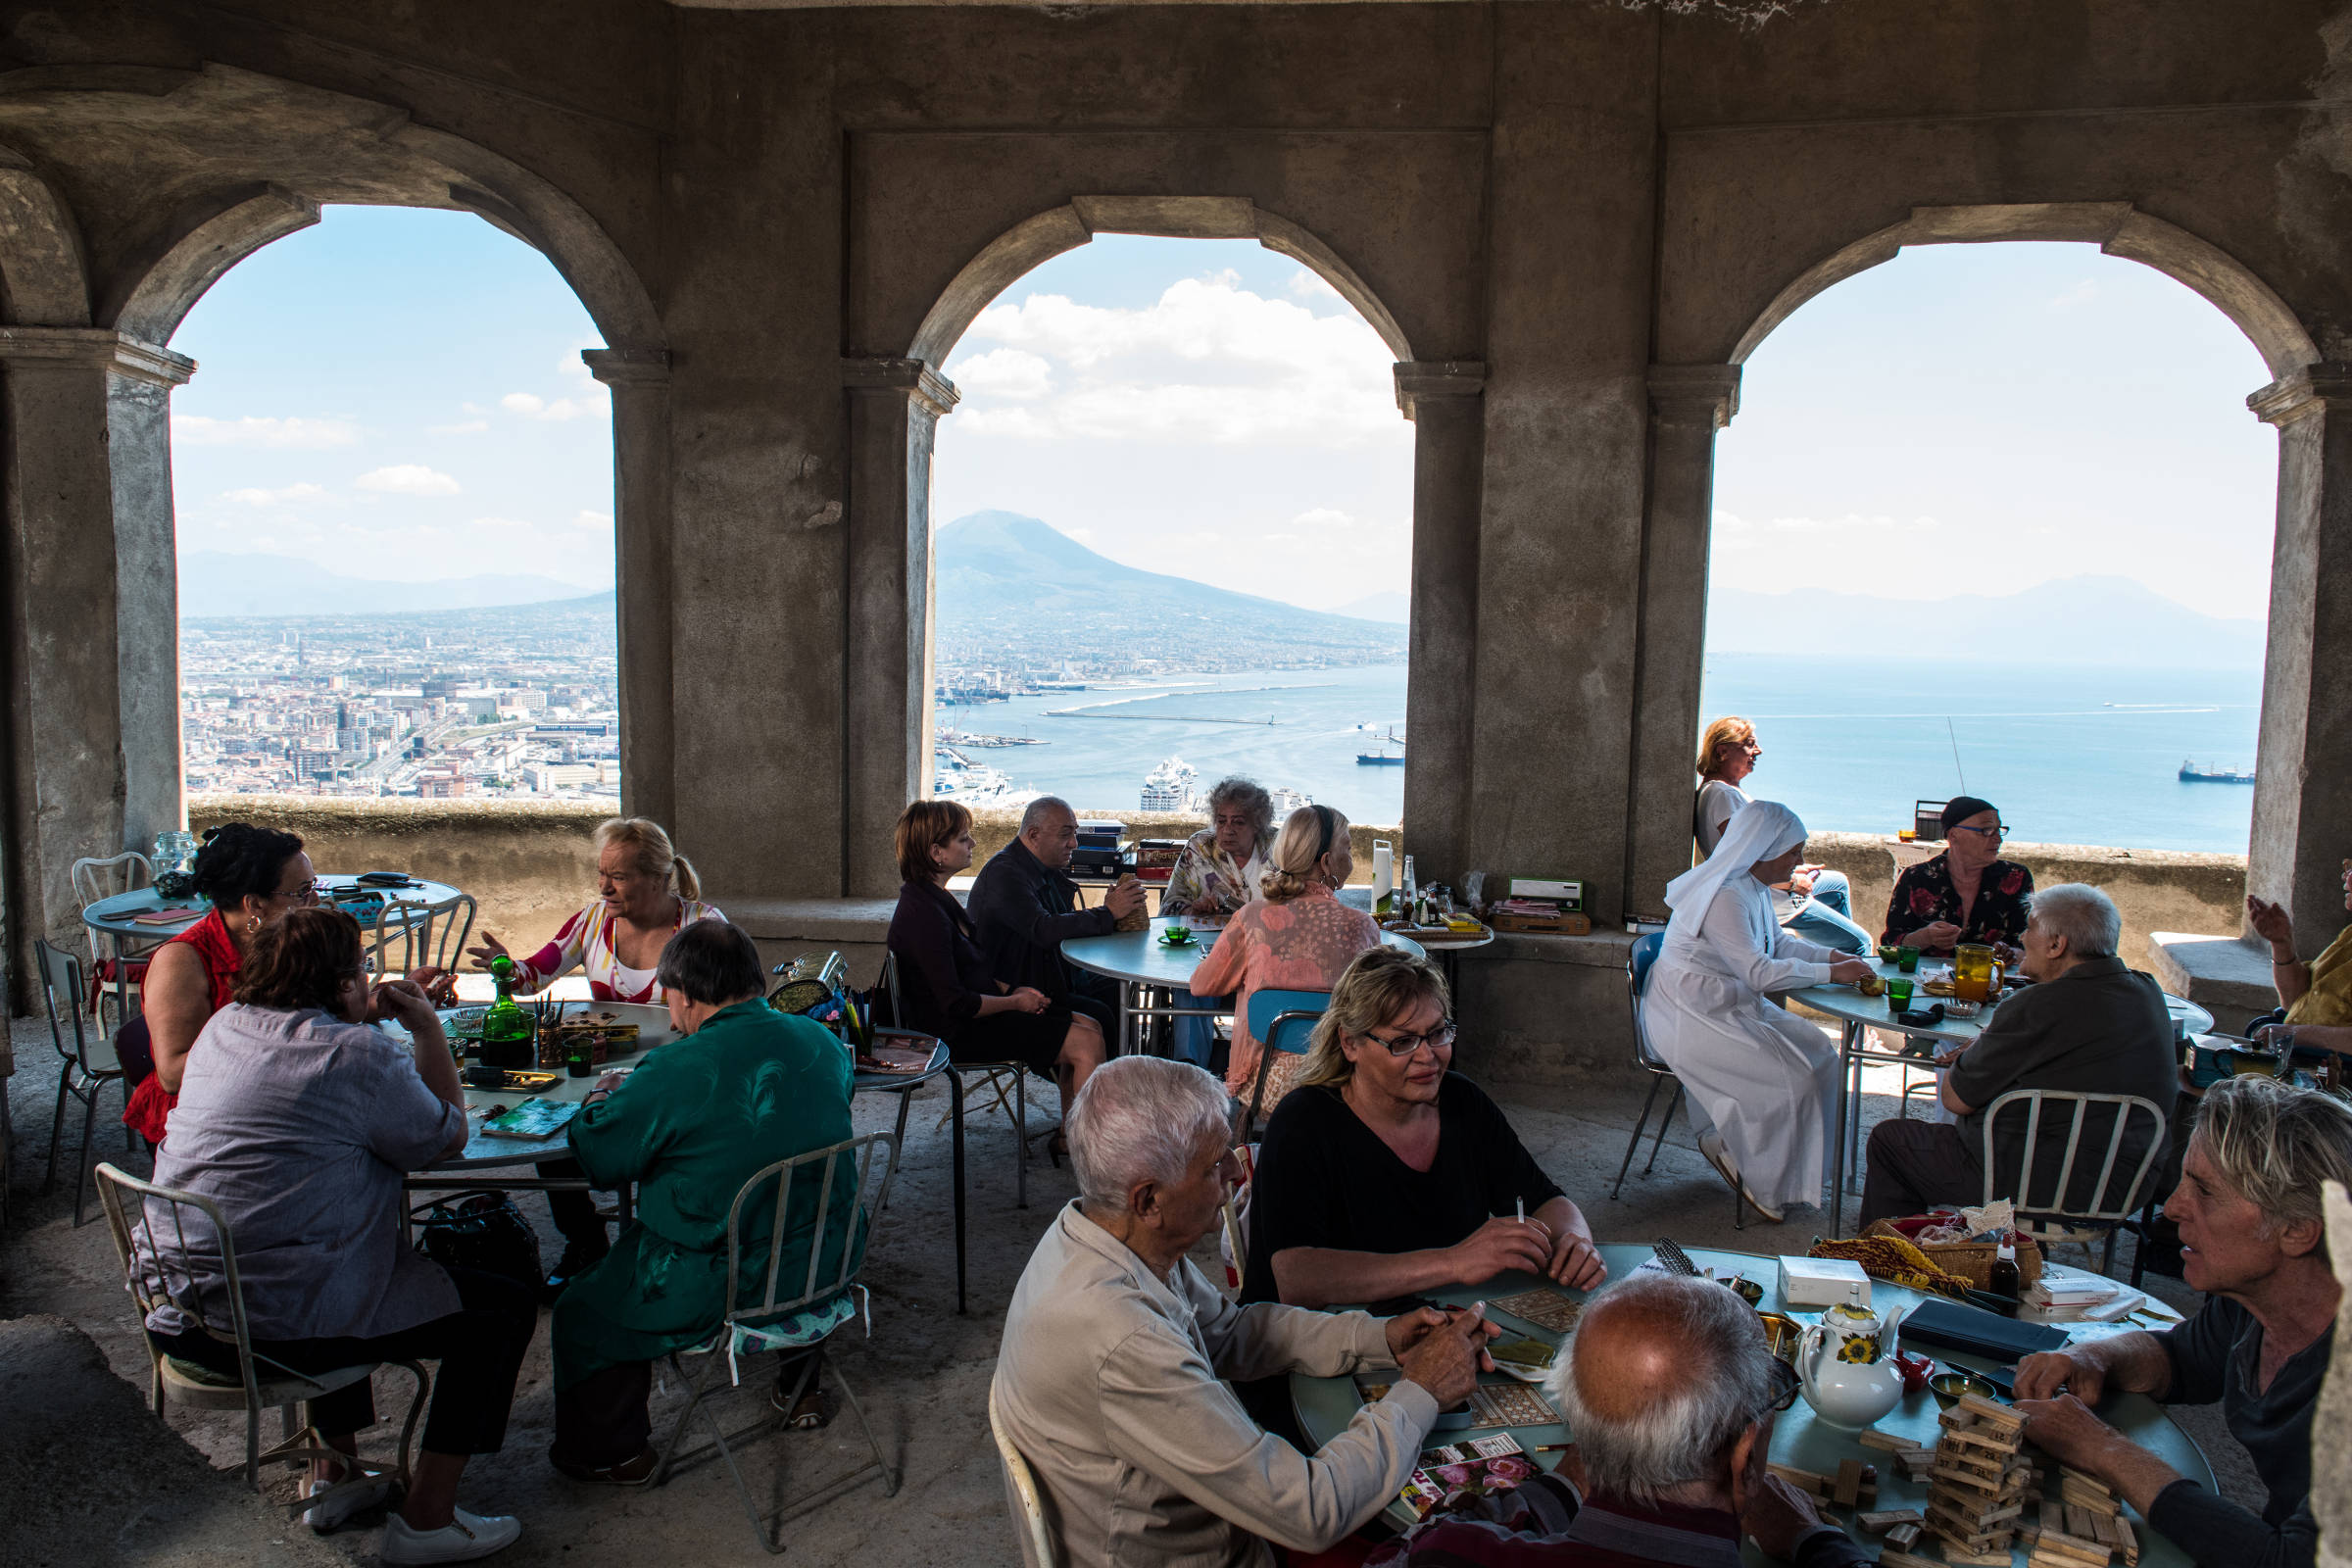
x=1846 y=1366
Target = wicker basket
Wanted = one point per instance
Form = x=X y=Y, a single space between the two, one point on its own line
x=1971 y=1261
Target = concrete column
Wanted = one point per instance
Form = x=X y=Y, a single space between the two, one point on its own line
x=895 y=407
x=91 y=644
x=1688 y=405
x=645 y=584
x=1445 y=400
x=2303 y=789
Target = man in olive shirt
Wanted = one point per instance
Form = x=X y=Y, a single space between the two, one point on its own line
x=2087 y=1024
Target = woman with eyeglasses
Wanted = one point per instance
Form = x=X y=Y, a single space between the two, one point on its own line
x=1295 y=936
x=253 y=877
x=1966 y=894
x=1816 y=903
x=1384 y=1174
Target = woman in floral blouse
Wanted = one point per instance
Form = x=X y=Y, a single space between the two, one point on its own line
x=1966 y=894
x=1216 y=874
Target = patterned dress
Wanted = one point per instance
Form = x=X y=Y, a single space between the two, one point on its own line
x=586 y=940
x=1209 y=883
x=1302 y=944
x=1925 y=894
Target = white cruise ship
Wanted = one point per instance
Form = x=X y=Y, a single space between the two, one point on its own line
x=1169 y=786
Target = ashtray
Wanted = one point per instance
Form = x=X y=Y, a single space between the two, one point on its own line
x=1950 y=1387
x=1962 y=1010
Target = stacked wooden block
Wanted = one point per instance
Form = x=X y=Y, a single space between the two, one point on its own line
x=2081 y=1525
x=1977 y=1487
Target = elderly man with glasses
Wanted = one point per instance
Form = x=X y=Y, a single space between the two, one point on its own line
x=1671 y=1394
x=1111 y=1379
x=1966 y=894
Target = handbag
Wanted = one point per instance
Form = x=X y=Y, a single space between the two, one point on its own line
x=481 y=1231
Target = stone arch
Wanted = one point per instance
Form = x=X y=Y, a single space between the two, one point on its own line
x=1020 y=249
x=42 y=274
x=2116 y=227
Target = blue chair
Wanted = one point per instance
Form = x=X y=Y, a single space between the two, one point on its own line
x=1284 y=1021
x=1637 y=961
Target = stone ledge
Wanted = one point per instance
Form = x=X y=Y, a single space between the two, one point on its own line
x=1600 y=949
x=2226 y=977
x=812 y=919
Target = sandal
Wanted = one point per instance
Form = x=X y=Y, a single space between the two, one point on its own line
x=806 y=1413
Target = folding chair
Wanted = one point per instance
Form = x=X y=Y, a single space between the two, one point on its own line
x=161 y=1261
x=94 y=879
x=792 y=1315
x=1034 y=1535
x=1006 y=1082
x=1283 y=1021
x=2093 y=1217
x=86 y=1067
x=1637 y=961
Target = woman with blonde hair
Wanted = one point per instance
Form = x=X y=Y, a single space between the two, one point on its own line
x=1296 y=936
x=1815 y=902
x=647 y=894
x=1387 y=1174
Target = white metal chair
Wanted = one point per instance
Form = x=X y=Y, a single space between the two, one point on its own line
x=84 y=1069
x=164 y=1257
x=97 y=878
x=1035 y=1534
x=423 y=934
x=792 y=1315
x=1637 y=961
x=2068 y=1210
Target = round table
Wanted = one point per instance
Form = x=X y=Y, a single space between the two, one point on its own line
x=1857 y=1013
x=1325 y=1406
x=1140 y=962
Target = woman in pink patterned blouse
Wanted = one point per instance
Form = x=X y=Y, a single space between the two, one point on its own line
x=1298 y=936
x=648 y=893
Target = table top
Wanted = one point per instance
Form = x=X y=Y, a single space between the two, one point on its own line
x=1140 y=957
x=1325 y=1406
x=114 y=916
x=1844 y=1002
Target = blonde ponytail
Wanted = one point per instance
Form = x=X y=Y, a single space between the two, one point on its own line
x=681 y=872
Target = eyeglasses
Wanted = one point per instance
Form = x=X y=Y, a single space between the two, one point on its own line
x=1786 y=1387
x=307 y=893
x=1997 y=830
x=1437 y=1039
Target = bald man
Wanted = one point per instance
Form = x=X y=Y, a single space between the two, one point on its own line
x=1671 y=1394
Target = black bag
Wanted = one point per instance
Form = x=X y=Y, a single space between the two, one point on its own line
x=481 y=1231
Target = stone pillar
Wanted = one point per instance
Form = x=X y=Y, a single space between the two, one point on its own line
x=92 y=613
x=1446 y=401
x=2303 y=786
x=1688 y=405
x=644 y=582
x=894 y=409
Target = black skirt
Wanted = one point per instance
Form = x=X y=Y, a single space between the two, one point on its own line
x=1034 y=1038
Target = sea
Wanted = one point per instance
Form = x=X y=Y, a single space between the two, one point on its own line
x=2088 y=755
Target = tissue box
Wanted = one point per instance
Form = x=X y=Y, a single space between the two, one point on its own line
x=1822 y=1282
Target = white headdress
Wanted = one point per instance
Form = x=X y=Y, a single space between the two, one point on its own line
x=1757 y=831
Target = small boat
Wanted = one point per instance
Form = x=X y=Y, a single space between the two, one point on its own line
x=2206 y=773
x=1383 y=758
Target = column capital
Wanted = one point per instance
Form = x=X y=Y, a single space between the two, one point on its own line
x=1438 y=378
x=95 y=348
x=2327 y=385
x=629 y=366
x=1695 y=394
x=915 y=378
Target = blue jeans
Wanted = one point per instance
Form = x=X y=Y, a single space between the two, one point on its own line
x=1195 y=1038
x=1827 y=916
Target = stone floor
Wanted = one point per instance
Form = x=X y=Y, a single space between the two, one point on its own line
x=93 y=1478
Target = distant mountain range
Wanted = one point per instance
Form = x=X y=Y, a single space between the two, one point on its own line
x=213 y=583
x=1010 y=587
x=2070 y=620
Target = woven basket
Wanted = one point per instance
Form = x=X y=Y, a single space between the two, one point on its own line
x=1971 y=1261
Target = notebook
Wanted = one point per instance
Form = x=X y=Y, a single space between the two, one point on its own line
x=1973 y=1330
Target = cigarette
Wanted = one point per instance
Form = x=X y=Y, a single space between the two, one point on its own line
x=1520 y=1203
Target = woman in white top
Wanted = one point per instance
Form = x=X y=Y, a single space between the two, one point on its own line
x=1816 y=903
x=1764 y=1080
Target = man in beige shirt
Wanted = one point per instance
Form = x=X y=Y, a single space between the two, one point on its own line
x=1114 y=1374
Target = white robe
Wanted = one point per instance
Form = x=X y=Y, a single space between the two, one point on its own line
x=1766 y=1079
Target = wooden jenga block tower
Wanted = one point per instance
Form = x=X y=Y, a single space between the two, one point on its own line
x=1977 y=1487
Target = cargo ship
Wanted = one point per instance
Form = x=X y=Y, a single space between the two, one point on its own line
x=2204 y=773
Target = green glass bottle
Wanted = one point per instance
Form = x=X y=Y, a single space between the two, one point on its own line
x=508 y=1033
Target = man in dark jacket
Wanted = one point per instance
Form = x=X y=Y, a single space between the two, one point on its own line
x=1023 y=907
x=2087 y=1024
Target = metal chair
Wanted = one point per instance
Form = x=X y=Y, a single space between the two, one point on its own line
x=1283 y=1021
x=164 y=1264
x=1637 y=961
x=424 y=934
x=1007 y=1082
x=2101 y=1210
x=84 y=1068
x=1035 y=1536
x=94 y=879
x=792 y=1315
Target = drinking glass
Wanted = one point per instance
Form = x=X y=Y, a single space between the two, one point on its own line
x=1975 y=972
x=1907 y=959
x=1898 y=995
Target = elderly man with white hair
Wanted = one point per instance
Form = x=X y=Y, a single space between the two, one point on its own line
x=2087 y=1024
x=1114 y=1377
x=1671 y=1394
x=2253 y=1238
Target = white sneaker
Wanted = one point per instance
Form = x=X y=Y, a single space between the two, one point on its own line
x=462 y=1539
x=357 y=1494
x=1711 y=1145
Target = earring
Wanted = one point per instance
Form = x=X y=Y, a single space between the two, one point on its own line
x=253 y=923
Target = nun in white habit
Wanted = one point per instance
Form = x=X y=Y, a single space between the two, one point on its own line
x=1764 y=1079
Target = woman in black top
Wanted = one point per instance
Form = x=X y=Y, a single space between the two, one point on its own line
x=943 y=978
x=1382 y=1174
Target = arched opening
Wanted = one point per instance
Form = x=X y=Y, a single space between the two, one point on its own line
x=393 y=497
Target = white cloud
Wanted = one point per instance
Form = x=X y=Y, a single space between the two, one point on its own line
x=571 y=365
x=534 y=407
x=293 y=433
x=1308 y=284
x=1208 y=363
x=254 y=496
x=461 y=427
x=408 y=479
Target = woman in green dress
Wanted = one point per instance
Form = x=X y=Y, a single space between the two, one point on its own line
x=746 y=1087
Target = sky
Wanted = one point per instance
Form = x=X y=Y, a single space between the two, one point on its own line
x=398 y=393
